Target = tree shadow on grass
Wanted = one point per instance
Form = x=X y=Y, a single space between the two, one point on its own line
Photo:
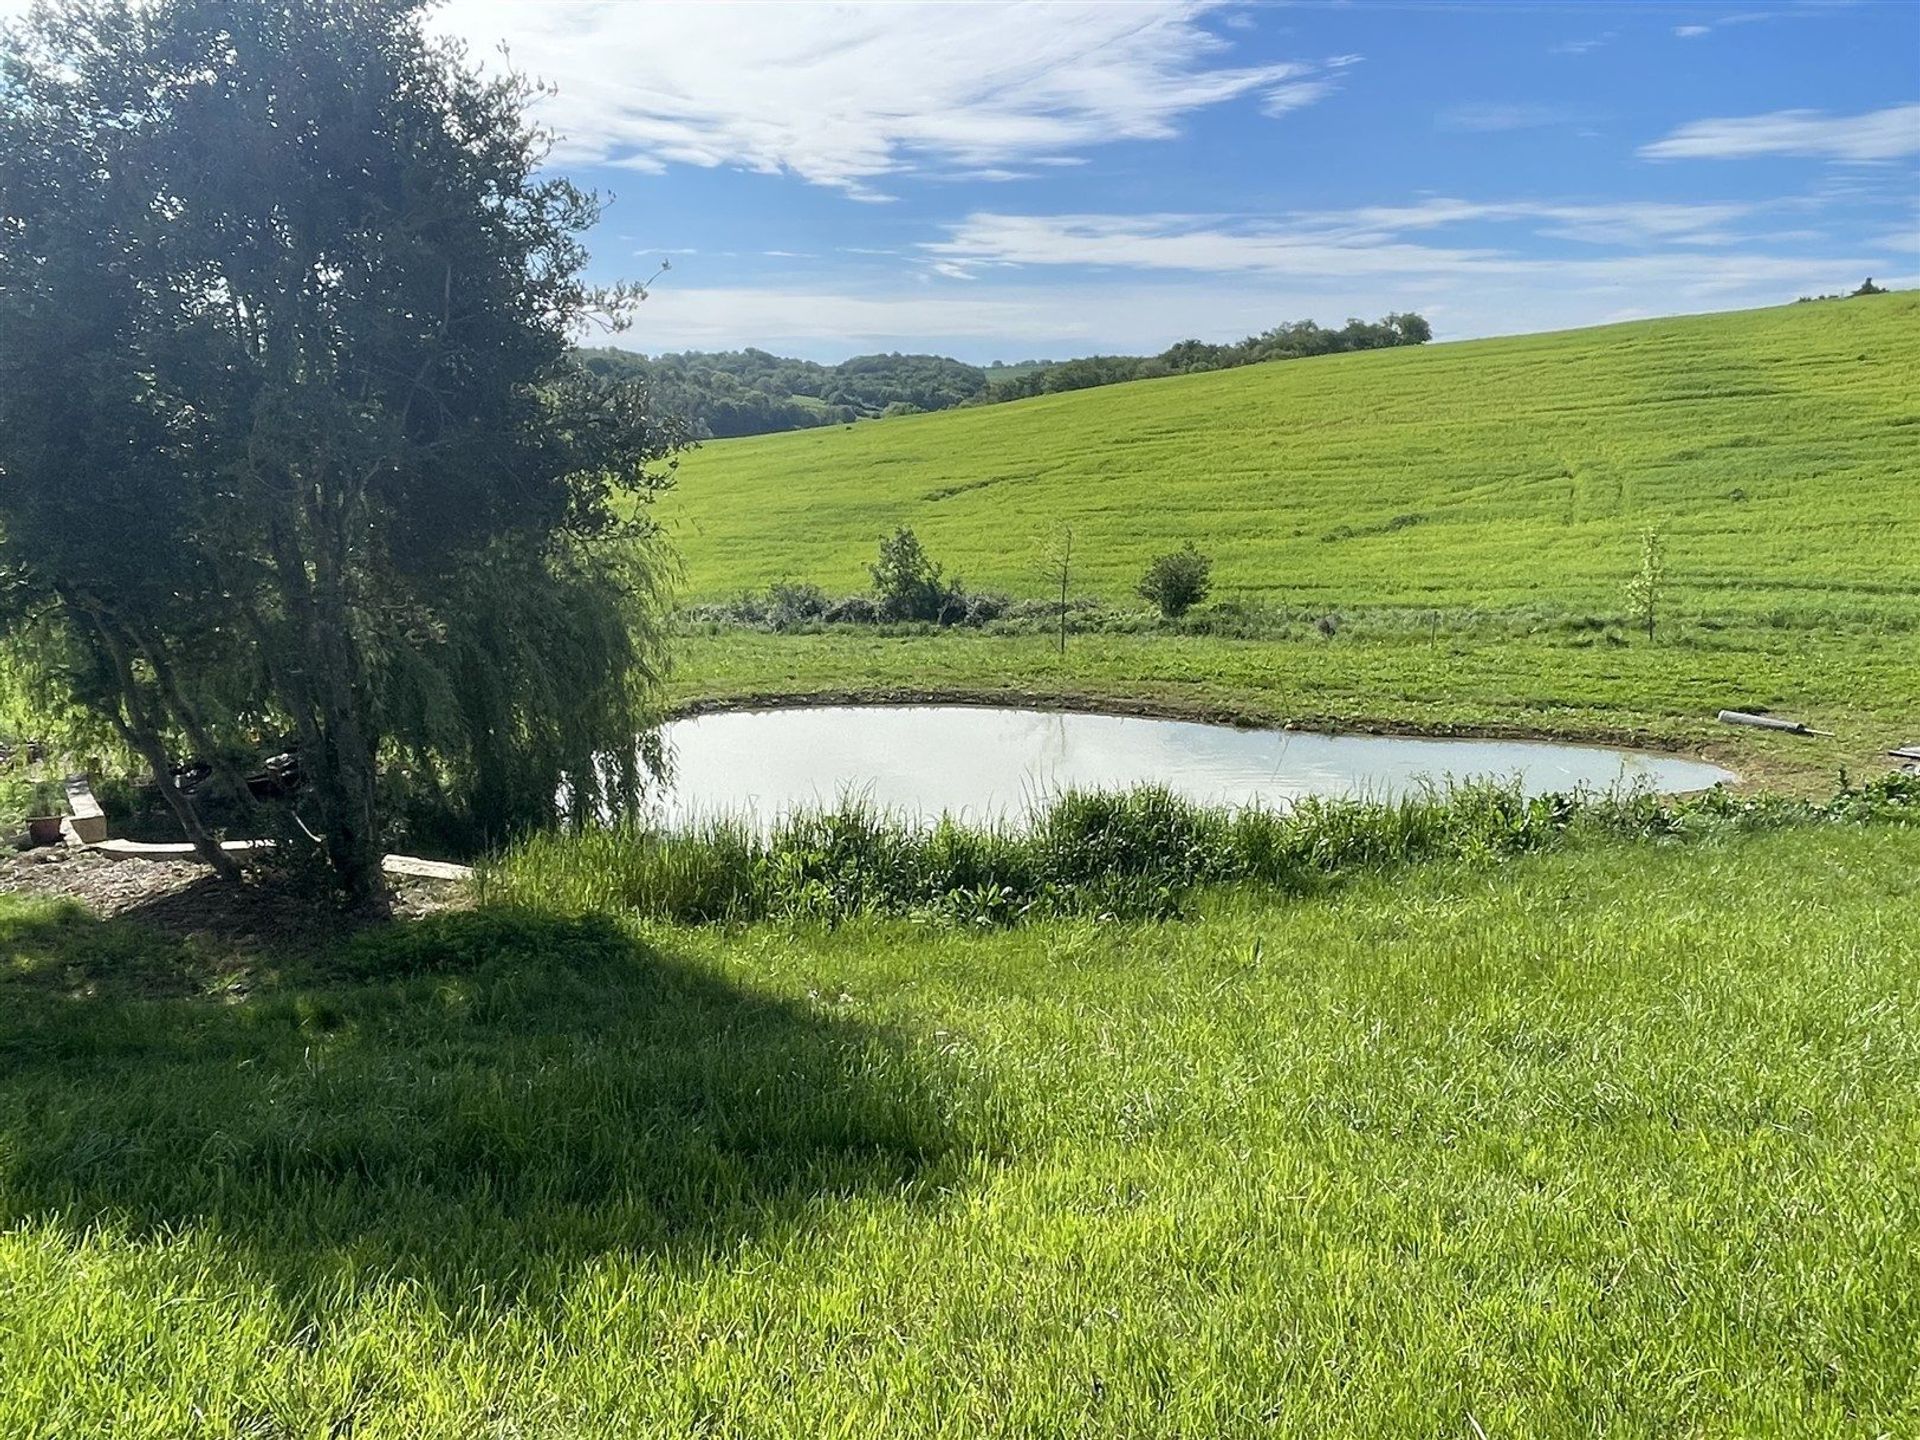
x=480 y=1102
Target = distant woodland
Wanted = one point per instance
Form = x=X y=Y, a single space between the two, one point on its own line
x=750 y=392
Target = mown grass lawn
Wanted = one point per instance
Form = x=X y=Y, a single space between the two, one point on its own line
x=1618 y=1140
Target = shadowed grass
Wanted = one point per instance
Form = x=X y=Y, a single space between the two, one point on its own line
x=474 y=1103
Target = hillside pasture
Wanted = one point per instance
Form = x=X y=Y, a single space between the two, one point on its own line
x=1774 y=449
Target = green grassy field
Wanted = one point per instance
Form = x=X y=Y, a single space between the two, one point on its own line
x=1775 y=448
x=1617 y=1140
x=1498 y=487
x=1615 y=1137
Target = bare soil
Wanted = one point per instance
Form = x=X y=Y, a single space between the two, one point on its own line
x=183 y=898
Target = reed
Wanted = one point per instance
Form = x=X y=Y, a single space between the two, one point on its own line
x=1138 y=854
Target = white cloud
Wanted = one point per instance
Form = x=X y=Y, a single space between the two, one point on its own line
x=1295 y=95
x=1876 y=135
x=843 y=95
x=1232 y=276
x=1372 y=240
x=1004 y=316
x=1689 y=32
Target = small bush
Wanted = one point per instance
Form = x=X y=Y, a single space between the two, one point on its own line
x=982 y=609
x=853 y=610
x=907 y=583
x=792 y=603
x=1177 y=581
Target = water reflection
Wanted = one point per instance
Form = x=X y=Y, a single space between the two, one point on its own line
x=986 y=764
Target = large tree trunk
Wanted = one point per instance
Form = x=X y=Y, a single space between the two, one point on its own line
x=325 y=685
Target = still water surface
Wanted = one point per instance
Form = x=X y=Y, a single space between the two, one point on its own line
x=986 y=764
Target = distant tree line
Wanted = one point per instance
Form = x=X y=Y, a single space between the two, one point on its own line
x=1867 y=287
x=1293 y=341
x=751 y=392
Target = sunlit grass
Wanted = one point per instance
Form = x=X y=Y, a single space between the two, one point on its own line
x=1141 y=853
x=1615 y=1139
x=1774 y=448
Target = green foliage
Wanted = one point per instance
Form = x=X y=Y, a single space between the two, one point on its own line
x=1295 y=341
x=907 y=583
x=1647 y=587
x=749 y=392
x=1138 y=854
x=1177 y=580
x=330 y=476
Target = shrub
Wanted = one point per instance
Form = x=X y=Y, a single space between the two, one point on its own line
x=853 y=610
x=1177 y=581
x=907 y=583
x=984 y=609
x=792 y=603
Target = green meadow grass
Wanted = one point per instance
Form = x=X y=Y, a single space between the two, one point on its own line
x=1619 y=1139
x=1774 y=448
x=1470 y=513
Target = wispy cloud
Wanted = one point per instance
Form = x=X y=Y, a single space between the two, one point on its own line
x=1004 y=315
x=1888 y=134
x=865 y=92
x=1581 y=46
x=1489 y=118
x=1296 y=95
x=1371 y=240
x=1753 y=17
x=1652 y=255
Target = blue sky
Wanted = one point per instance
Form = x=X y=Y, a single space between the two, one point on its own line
x=1012 y=180
x=1017 y=180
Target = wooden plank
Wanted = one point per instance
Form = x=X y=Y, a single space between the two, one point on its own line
x=88 y=823
x=88 y=826
x=425 y=869
x=172 y=850
x=408 y=865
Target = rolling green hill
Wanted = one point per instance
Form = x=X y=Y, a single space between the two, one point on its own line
x=1776 y=450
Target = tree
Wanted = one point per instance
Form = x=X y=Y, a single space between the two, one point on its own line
x=291 y=439
x=1644 y=589
x=1867 y=287
x=1177 y=581
x=1056 y=565
x=907 y=581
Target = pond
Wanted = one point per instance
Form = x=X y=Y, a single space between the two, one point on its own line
x=984 y=764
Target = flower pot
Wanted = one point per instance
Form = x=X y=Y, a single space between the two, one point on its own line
x=43 y=830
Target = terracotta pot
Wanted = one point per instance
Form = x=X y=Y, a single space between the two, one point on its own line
x=44 y=830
